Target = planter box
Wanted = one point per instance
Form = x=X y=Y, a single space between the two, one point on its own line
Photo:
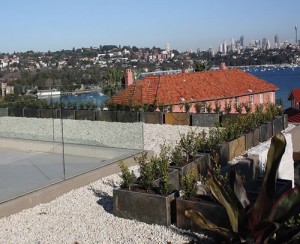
x=232 y=149
x=282 y=186
x=173 y=179
x=15 y=112
x=225 y=117
x=3 y=112
x=265 y=131
x=277 y=125
x=152 y=117
x=31 y=113
x=252 y=139
x=148 y=208
x=177 y=118
x=191 y=167
x=128 y=117
x=212 y=211
x=203 y=163
x=205 y=119
x=285 y=121
x=67 y=114
x=107 y=116
x=85 y=115
x=48 y=113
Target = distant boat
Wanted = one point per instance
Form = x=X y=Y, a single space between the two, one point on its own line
x=48 y=93
x=101 y=94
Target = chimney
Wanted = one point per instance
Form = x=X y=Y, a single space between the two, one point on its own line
x=223 y=66
x=128 y=77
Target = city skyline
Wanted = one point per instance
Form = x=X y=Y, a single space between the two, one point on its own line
x=189 y=25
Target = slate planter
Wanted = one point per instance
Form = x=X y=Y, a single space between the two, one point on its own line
x=205 y=119
x=253 y=190
x=31 y=113
x=107 y=116
x=173 y=179
x=15 y=112
x=128 y=117
x=3 y=112
x=48 y=113
x=151 y=117
x=230 y=150
x=252 y=138
x=265 y=131
x=203 y=163
x=144 y=207
x=212 y=211
x=277 y=125
x=67 y=114
x=85 y=115
x=177 y=118
x=285 y=121
x=191 y=167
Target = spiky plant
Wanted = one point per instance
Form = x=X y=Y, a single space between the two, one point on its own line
x=265 y=221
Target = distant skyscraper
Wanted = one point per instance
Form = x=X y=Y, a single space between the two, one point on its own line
x=232 y=45
x=242 y=40
x=296 y=30
x=264 y=43
x=168 y=48
x=276 y=40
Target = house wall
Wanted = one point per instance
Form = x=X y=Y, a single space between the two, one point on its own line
x=257 y=99
x=295 y=104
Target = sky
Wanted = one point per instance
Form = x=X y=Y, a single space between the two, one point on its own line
x=42 y=25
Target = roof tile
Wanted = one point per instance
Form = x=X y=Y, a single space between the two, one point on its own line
x=201 y=86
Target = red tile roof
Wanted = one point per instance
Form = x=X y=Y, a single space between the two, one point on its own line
x=197 y=86
x=295 y=94
x=293 y=115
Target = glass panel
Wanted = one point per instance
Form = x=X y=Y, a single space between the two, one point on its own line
x=59 y=133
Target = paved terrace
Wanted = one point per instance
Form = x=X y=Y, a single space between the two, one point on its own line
x=34 y=173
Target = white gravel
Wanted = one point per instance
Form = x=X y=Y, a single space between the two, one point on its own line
x=122 y=135
x=83 y=217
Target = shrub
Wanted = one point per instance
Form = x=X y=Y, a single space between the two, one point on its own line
x=127 y=176
x=188 y=185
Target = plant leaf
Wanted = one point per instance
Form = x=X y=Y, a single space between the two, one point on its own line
x=204 y=223
x=239 y=190
x=286 y=206
x=266 y=196
x=221 y=195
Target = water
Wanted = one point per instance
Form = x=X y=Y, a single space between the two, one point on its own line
x=284 y=78
x=94 y=97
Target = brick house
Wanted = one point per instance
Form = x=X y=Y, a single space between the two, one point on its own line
x=206 y=88
x=294 y=111
x=294 y=97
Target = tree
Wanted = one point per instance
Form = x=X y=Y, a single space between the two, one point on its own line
x=201 y=66
x=114 y=78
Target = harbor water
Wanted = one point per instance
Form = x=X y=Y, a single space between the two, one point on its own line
x=285 y=78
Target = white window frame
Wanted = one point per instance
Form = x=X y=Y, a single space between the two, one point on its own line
x=251 y=99
x=261 y=98
x=203 y=107
x=236 y=101
x=271 y=97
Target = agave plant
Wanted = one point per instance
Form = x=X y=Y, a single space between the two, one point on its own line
x=264 y=222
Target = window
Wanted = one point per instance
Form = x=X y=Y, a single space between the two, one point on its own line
x=236 y=101
x=271 y=97
x=203 y=107
x=261 y=98
x=251 y=98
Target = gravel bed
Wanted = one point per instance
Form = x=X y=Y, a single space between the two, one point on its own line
x=84 y=217
x=120 y=135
